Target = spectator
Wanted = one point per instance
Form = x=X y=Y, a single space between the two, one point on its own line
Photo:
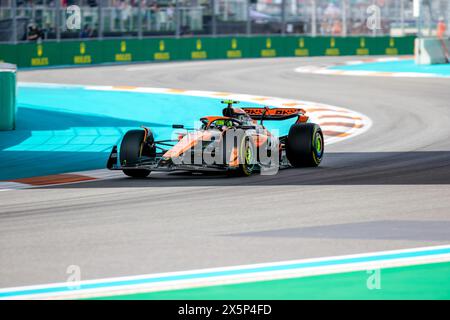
x=324 y=27
x=170 y=15
x=441 y=28
x=125 y=9
x=86 y=32
x=154 y=10
x=34 y=33
x=336 y=30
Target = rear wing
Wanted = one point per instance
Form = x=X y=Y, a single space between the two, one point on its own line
x=275 y=113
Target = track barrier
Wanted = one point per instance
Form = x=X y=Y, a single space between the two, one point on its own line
x=91 y=52
x=432 y=51
x=8 y=106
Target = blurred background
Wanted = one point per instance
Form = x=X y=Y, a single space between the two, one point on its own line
x=40 y=20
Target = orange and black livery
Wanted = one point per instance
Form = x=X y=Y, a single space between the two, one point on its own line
x=236 y=142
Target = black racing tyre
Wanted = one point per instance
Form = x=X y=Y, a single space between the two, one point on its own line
x=136 y=173
x=130 y=151
x=305 y=145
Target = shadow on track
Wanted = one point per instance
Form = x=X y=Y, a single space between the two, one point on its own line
x=411 y=230
x=355 y=168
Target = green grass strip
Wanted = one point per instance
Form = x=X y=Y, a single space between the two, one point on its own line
x=428 y=281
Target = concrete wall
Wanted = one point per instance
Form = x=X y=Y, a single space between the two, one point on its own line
x=431 y=50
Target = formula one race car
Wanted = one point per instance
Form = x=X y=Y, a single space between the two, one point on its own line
x=234 y=142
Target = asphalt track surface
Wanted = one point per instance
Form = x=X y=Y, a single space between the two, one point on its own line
x=388 y=188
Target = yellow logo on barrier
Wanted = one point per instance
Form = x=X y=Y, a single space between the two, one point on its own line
x=123 y=56
x=40 y=60
x=161 y=55
x=391 y=50
x=234 y=43
x=39 y=50
x=234 y=53
x=82 y=58
x=301 y=51
x=198 y=54
x=198 y=44
x=82 y=48
x=332 y=51
x=362 y=51
x=268 y=52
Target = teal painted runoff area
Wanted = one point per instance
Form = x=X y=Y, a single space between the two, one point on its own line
x=71 y=128
x=428 y=282
x=407 y=66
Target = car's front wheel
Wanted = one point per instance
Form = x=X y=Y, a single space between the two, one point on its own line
x=130 y=152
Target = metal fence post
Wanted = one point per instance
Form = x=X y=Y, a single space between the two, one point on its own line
x=58 y=20
x=14 y=20
x=283 y=17
x=402 y=16
x=447 y=20
x=374 y=30
x=139 y=19
x=177 y=18
x=344 y=18
x=314 y=18
x=430 y=17
x=213 y=18
x=100 y=19
x=249 y=19
x=419 y=19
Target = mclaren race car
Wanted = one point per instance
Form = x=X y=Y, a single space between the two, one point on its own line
x=236 y=142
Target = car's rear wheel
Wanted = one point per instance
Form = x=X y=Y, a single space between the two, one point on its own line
x=130 y=152
x=305 y=145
